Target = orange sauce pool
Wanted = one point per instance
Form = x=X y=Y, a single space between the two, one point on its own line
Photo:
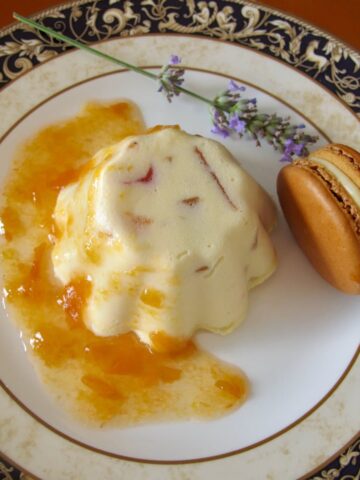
x=98 y=379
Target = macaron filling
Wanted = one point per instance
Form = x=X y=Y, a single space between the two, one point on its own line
x=349 y=186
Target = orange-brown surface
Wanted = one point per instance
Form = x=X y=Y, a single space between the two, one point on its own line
x=99 y=378
x=338 y=18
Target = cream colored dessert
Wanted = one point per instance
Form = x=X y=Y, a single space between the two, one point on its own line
x=170 y=233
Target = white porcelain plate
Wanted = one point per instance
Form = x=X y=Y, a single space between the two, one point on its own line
x=299 y=342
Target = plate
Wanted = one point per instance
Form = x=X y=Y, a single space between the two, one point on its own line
x=299 y=344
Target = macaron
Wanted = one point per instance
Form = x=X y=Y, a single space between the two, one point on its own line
x=320 y=198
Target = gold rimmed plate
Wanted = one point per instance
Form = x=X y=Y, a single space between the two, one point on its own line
x=299 y=342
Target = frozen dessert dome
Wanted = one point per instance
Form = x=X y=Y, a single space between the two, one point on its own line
x=168 y=233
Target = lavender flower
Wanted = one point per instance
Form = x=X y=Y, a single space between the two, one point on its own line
x=220 y=126
x=290 y=148
x=232 y=114
x=171 y=77
x=174 y=60
x=234 y=87
x=236 y=124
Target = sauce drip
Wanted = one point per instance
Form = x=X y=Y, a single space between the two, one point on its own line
x=99 y=379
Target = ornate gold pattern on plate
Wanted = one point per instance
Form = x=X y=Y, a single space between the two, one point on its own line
x=351 y=457
x=5 y=472
x=299 y=45
x=337 y=470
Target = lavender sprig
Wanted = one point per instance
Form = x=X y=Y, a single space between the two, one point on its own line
x=231 y=114
x=171 y=78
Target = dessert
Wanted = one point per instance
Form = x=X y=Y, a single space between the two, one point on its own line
x=320 y=198
x=168 y=233
x=118 y=379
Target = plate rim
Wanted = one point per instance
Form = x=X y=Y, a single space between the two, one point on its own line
x=39 y=14
x=189 y=35
x=44 y=13
x=150 y=67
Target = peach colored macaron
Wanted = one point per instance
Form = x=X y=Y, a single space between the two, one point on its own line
x=320 y=198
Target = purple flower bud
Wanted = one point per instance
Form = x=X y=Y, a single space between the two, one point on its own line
x=171 y=78
x=291 y=148
x=217 y=116
x=220 y=131
x=289 y=144
x=174 y=60
x=298 y=149
x=236 y=124
x=234 y=87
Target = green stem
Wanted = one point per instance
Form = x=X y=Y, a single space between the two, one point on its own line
x=196 y=95
x=82 y=46
x=98 y=53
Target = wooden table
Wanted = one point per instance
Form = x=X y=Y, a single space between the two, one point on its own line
x=338 y=17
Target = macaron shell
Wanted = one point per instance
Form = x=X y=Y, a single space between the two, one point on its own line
x=342 y=197
x=320 y=226
x=343 y=157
